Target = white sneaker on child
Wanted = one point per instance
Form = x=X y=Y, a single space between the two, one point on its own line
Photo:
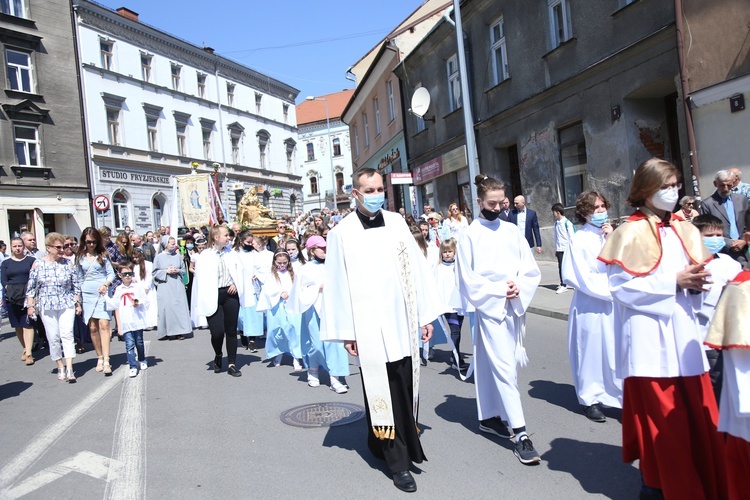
x=312 y=379
x=144 y=365
x=337 y=386
x=297 y=367
x=133 y=372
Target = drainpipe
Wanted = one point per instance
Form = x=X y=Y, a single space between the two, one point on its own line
x=685 y=87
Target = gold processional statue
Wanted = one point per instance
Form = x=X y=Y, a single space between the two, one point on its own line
x=252 y=214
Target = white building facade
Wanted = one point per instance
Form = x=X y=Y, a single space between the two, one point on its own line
x=324 y=160
x=155 y=104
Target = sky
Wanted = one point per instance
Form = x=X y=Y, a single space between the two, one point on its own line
x=308 y=44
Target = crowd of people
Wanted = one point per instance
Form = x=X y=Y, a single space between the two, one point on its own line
x=645 y=295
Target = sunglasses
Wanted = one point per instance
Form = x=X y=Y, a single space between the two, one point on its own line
x=127 y=273
x=70 y=245
x=58 y=247
x=89 y=242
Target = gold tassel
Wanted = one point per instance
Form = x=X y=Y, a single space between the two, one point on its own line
x=392 y=435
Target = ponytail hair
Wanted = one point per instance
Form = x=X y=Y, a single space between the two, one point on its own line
x=486 y=184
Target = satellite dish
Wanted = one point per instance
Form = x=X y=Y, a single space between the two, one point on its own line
x=420 y=101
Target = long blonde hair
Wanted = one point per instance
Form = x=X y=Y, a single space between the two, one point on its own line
x=459 y=217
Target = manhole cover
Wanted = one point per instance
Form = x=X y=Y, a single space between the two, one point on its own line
x=323 y=415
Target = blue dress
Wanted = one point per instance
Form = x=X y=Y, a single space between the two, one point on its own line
x=331 y=356
x=94 y=276
x=283 y=328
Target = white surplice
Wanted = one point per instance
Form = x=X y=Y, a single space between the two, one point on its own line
x=363 y=293
x=734 y=408
x=592 y=321
x=490 y=254
x=660 y=335
x=723 y=269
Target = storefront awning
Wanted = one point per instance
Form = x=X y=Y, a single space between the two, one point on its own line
x=58 y=210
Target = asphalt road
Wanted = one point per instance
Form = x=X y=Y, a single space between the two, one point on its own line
x=180 y=431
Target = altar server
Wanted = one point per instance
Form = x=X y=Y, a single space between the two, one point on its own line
x=656 y=274
x=498 y=275
x=593 y=318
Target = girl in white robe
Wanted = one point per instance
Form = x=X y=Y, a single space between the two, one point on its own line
x=283 y=335
x=450 y=298
x=498 y=275
x=147 y=282
x=307 y=299
x=292 y=247
x=250 y=321
x=593 y=316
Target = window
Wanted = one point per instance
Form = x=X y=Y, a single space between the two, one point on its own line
x=454 y=83
x=201 y=85
x=12 y=7
x=310 y=151
x=182 y=139
x=356 y=140
x=559 y=20
x=121 y=210
x=206 y=144
x=337 y=147
x=499 y=51
x=176 y=70
x=391 y=102
x=314 y=184
x=106 y=53
x=235 y=137
x=263 y=139
x=258 y=97
x=230 y=94
x=146 y=68
x=113 y=126
x=339 y=183
x=27 y=146
x=367 y=130
x=285 y=108
x=377 y=116
x=574 y=162
x=19 y=70
x=152 y=128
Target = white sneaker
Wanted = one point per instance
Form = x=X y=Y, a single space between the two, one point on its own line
x=297 y=366
x=561 y=289
x=133 y=372
x=337 y=386
x=144 y=365
x=312 y=379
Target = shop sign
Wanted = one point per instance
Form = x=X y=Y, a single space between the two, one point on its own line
x=401 y=178
x=449 y=162
x=142 y=213
x=112 y=175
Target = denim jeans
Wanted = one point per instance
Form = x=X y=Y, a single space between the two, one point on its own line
x=133 y=341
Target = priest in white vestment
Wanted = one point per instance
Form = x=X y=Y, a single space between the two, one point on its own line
x=380 y=300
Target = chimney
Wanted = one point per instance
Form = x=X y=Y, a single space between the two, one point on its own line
x=210 y=50
x=128 y=14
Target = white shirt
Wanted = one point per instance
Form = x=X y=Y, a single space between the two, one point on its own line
x=521 y=218
x=564 y=232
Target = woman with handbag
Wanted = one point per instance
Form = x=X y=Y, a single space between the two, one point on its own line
x=15 y=274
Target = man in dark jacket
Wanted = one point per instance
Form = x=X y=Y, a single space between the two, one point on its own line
x=527 y=222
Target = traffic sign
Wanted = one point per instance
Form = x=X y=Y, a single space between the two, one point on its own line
x=101 y=203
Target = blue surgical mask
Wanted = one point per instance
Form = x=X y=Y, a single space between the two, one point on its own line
x=189 y=246
x=598 y=219
x=713 y=243
x=373 y=202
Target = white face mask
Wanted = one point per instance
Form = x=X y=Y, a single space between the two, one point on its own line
x=665 y=199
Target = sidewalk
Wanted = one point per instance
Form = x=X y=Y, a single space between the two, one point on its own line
x=546 y=302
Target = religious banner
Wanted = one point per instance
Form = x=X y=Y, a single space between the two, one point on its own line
x=194 y=199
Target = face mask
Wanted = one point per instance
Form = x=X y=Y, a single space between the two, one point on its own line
x=281 y=268
x=248 y=248
x=155 y=240
x=489 y=214
x=294 y=256
x=189 y=246
x=598 y=219
x=665 y=199
x=713 y=243
x=319 y=260
x=372 y=202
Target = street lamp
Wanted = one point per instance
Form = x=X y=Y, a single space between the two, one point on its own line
x=330 y=147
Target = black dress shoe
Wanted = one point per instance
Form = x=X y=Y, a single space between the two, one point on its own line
x=594 y=413
x=217 y=364
x=234 y=371
x=404 y=481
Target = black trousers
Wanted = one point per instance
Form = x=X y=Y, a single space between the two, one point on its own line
x=223 y=323
x=559 y=256
x=398 y=453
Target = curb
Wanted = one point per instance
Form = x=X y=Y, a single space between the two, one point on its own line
x=546 y=312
